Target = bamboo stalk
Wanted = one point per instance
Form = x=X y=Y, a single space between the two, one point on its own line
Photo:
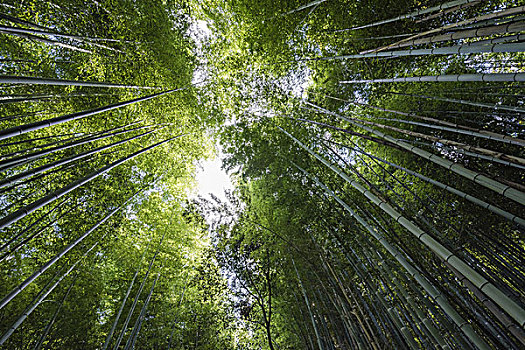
x=511 y=217
x=22 y=129
x=300 y=8
x=53 y=260
x=469 y=103
x=114 y=325
x=5 y=99
x=485 y=77
x=78 y=139
x=22 y=22
x=30 y=34
x=504 y=39
x=174 y=322
x=21 y=232
x=46 y=41
x=365 y=275
x=12 y=79
x=42 y=296
x=504 y=190
x=423 y=321
x=59 y=35
x=40 y=341
x=485 y=157
x=449 y=50
x=307 y=302
x=515 y=330
x=438 y=297
x=426 y=285
x=507 y=304
x=372 y=37
x=451 y=127
x=31 y=157
x=74 y=135
x=450 y=10
x=494 y=156
x=513 y=27
x=506 y=12
x=368 y=329
x=415 y=14
x=36 y=234
x=137 y=295
x=21 y=213
x=23 y=175
x=138 y=323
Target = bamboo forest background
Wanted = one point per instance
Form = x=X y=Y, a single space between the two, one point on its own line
x=377 y=151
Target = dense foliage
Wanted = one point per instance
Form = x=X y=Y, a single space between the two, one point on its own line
x=377 y=148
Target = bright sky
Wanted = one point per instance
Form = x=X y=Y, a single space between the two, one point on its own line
x=212 y=179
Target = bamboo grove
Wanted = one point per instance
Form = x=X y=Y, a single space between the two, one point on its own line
x=377 y=150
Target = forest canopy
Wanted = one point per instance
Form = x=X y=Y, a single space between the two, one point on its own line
x=377 y=152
